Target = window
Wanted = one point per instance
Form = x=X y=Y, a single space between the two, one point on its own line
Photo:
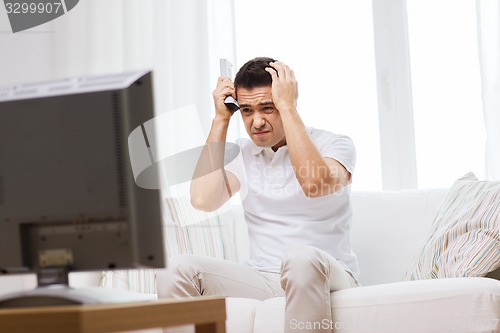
x=330 y=46
x=446 y=88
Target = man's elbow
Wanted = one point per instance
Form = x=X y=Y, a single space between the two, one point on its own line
x=204 y=205
x=199 y=198
x=319 y=188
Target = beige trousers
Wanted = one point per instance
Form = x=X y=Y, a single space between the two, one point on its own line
x=308 y=275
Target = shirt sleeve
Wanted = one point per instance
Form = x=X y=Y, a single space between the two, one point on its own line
x=236 y=166
x=336 y=146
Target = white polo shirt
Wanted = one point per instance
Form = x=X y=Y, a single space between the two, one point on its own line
x=278 y=214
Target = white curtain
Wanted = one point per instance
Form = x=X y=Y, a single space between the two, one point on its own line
x=180 y=40
x=488 y=20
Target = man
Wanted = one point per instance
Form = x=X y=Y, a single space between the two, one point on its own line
x=297 y=206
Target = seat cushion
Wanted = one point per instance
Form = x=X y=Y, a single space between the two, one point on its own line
x=458 y=305
x=240 y=314
x=440 y=305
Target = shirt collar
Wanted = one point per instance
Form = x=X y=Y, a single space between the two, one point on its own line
x=255 y=150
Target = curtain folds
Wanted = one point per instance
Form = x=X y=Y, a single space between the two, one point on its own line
x=180 y=40
x=488 y=21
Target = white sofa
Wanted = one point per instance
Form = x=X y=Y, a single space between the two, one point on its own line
x=388 y=228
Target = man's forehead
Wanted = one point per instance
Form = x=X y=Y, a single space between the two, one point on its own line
x=254 y=96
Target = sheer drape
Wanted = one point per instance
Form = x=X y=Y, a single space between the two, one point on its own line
x=488 y=20
x=180 y=40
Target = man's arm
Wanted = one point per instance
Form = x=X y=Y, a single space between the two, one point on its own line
x=211 y=185
x=317 y=175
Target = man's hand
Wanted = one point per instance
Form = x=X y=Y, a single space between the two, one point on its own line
x=317 y=175
x=224 y=88
x=284 y=87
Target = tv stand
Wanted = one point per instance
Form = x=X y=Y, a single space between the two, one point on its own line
x=207 y=314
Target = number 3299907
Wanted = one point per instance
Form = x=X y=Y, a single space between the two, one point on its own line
x=33 y=7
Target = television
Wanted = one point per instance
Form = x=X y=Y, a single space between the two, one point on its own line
x=68 y=199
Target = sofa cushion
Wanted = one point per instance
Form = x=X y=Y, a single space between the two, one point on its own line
x=388 y=228
x=270 y=316
x=241 y=313
x=464 y=240
x=439 y=306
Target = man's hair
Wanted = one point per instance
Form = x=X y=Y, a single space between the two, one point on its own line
x=253 y=74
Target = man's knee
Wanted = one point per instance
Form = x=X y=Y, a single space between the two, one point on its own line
x=302 y=265
x=302 y=257
x=180 y=270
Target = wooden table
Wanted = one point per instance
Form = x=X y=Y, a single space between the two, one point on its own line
x=207 y=314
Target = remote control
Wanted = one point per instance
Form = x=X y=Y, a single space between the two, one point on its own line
x=226 y=70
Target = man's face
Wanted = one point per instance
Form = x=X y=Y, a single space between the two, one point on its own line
x=262 y=120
